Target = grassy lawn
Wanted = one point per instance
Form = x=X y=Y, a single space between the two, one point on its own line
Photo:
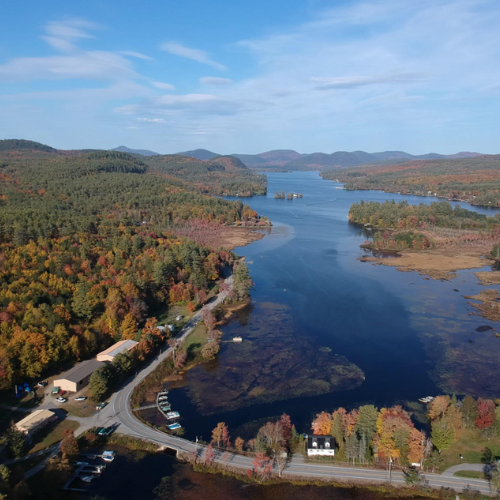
x=196 y=339
x=472 y=474
x=471 y=445
x=51 y=435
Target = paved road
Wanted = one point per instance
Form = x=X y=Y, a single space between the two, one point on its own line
x=119 y=413
x=470 y=467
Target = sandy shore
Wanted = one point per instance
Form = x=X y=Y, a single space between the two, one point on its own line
x=489 y=306
x=232 y=237
x=489 y=277
x=438 y=264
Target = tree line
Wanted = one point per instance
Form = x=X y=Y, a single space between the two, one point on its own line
x=88 y=246
x=475 y=180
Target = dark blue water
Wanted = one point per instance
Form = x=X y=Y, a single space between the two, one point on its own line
x=411 y=337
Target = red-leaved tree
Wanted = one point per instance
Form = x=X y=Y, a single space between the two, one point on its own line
x=485 y=413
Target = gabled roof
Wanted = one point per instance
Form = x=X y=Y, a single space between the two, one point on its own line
x=80 y=371
x=320 y=442
x=34 y=419
x=121 y=346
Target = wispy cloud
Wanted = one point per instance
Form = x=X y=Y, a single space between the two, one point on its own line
x=195 y=54
x=214 y=80
x=198 y=104
x=163 y=86
x=352 y=82
x=137 y=55
x=151 y=120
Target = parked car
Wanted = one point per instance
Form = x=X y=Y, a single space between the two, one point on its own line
x=103 y=431
x=98 y=431
x=108 y=431
x=43 y=383
x=100 y=406
x=61 y=400
x=81 y=398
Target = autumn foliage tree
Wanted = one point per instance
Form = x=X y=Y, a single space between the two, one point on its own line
x=69 y=444
x=485 y=413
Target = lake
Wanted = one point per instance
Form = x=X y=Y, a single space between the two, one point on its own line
x=325 y=330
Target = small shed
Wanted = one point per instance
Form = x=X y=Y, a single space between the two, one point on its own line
x=109 y=354
x=78 y=377
x=35 y=421
x=321 y=445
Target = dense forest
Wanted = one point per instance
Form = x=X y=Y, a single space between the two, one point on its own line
x=88 y=245
x=424 y=226
x=476 y=180
x=222 y=176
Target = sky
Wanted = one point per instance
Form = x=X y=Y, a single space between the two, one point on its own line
x=251 y=76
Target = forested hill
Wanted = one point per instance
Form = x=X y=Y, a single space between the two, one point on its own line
x=89 y=246
x=475 y=180
x=199 y=154
x=21 y=145
x=223 y=175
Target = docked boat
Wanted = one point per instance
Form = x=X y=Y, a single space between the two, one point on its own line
x=108 y=456
x=87 y=479
x=237 y=339
x=163 y=398
x=175 y=426
x=427 y=399
x=172 y=414
x=163 y=393
x=165 y=408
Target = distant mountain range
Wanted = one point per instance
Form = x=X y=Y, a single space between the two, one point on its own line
x=279 y=159
x=288 y=159
x=142 y=152
x=291 y=160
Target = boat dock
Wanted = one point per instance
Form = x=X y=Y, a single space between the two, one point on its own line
x=147 y=407
x=83 y=471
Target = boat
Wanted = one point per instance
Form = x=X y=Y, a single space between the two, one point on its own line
x=427 y=399
x=175 y=426
x=108 y=456
x=163 y=398
x=87 y=479
x=163 y=393
x=172 y=414
x=165 y=408
x=237 y=339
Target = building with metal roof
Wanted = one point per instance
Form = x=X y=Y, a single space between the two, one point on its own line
x=35 y=421
x=110 y=353
x=78 y=377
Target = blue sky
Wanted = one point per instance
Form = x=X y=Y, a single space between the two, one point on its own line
x=246 y=77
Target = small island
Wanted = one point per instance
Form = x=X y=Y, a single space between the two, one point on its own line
x=280 y=195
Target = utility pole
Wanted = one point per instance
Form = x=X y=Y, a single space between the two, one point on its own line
x=390 y=469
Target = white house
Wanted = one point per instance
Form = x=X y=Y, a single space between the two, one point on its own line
x=321 y=445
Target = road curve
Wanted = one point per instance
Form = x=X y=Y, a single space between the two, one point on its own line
x=119 y=412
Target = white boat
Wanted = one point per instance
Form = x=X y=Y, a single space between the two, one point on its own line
x=427 y=399
x=175 y=426
x=108 y=456
x=163 y=393
x=163 y=398
x=87 y=479
x=237 y=339
x=172 y=414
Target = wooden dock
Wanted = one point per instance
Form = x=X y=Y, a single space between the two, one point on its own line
x=147 y=407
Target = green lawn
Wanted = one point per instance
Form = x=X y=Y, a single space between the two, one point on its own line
x=196 y=339
x=51 y=435
x=472 y=474
x=471 y=445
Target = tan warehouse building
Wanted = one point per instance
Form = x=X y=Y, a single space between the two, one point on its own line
x=78 y=377
x=35 y=421
x=110 y=353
